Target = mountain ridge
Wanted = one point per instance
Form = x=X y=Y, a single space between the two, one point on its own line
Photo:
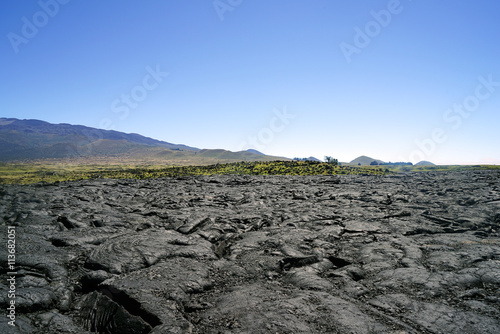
x=32 y=139
x=43 y=127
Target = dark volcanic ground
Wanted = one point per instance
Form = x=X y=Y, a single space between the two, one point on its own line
x=414 y=253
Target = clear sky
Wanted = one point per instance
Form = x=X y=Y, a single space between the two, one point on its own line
x=394 y=80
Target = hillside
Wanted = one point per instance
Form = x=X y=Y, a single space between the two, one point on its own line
x=28 y=140
x=425 y=163
x=364 y=160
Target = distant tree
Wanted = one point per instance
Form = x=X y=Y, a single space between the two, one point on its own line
x=331 y=160
x=373 y=163
x=359 y=163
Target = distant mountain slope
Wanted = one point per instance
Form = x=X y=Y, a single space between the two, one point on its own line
x=425 y=163
x=34 y=133
x=255 y=151
x=35 y=140
x=364 y=160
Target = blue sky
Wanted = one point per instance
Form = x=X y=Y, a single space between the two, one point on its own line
x=394 y=80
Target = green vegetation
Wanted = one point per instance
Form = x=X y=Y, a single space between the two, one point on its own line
x=26 y=173
x=332 y=161
x=32 y=173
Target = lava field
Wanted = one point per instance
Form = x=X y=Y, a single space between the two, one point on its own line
x=404 y=253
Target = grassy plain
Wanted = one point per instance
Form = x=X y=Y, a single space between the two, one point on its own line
x=25 y=173
x=44 y=171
